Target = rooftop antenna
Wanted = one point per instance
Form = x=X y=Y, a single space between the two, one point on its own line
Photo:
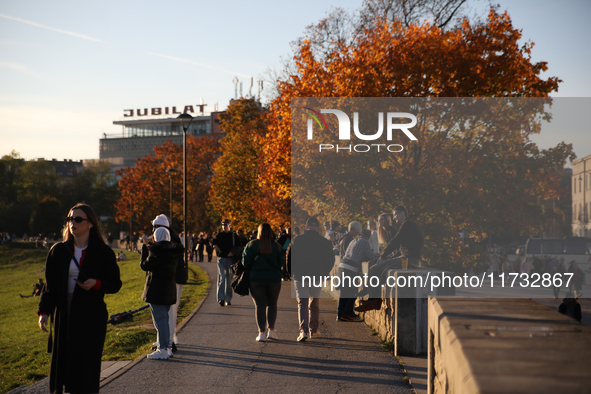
x=250 y=89
x=201 y=106
x=260 y=86
x=241 y=90
x=235 y=88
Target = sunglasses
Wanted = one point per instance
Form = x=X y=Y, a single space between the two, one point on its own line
x=76 y=219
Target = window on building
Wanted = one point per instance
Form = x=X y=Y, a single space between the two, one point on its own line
x=574 y=213
x=574 y=185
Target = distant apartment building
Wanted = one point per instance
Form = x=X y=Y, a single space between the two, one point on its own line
x=143 y=129
x=581 y=184
x=65 y=168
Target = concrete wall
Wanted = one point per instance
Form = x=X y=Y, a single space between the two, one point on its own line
x=403 y=317
x=505 y=346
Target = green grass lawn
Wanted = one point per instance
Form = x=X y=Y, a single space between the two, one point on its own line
x=23 y=346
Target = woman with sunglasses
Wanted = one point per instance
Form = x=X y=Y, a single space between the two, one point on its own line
x=78 y=273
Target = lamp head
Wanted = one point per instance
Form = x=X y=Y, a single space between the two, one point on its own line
x=185 y=119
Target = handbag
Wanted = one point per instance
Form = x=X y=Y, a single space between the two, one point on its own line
x=241 y=282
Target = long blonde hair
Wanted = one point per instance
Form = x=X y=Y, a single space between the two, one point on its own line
x=383 y=231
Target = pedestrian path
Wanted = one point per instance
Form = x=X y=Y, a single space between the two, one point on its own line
x=218 y=353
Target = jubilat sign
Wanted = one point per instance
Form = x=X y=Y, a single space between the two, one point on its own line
x=162 y=111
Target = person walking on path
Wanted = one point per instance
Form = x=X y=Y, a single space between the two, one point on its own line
x=209 y=247
x=578 y=279
x=223 y=243
x=78 y=273
x=284 y=240
x=200 y=248
x=264 y=257
x=313 y=258
x=407 y=243
x=159 y=260
x=181 y=277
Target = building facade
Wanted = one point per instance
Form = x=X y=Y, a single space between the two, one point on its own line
x=581 y=187
x=139 y=137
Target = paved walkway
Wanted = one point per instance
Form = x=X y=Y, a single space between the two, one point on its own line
x=218 y=353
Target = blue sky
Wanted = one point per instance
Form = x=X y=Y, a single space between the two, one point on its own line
x=68 y=69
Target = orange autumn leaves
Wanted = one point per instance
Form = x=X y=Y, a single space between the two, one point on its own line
x=251 y=179
x=145 y=188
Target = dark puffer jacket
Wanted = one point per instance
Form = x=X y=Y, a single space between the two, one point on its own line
x=159 y=261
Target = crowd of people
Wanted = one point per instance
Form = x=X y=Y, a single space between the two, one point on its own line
x=41 y=241
x=6 y=238
x=312 y=254
x=83 y=268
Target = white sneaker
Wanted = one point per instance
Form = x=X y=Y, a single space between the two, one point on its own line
x=169 y=350
x=260 y=337
x=161 y=354
x=303 y=336
x=271 y=335
x=314 y=334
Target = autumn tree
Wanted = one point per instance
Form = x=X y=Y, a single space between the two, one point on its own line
x=482 y=178
x=236 y=191
x=145 y=188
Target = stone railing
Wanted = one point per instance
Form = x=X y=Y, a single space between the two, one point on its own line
x=403 y=317
x=505 y=346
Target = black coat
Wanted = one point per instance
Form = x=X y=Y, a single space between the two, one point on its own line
x=312 y=255
x=77 y=344
x=201 y=244
x=182 y=274
x=159 y=260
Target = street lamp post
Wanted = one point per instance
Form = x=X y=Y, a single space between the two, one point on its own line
x=171 y=172
x=130 y=221
x=186 y=120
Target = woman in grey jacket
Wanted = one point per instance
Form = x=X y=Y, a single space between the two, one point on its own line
x=159 y=261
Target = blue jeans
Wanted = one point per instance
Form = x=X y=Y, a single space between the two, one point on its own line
x=225 y=279
x=160 y=318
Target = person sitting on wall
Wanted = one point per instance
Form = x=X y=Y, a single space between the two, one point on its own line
x=570 y=307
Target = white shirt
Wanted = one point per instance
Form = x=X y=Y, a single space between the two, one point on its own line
x=74 y=271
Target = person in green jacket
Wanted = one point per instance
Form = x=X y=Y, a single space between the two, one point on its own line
x=264 y=257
